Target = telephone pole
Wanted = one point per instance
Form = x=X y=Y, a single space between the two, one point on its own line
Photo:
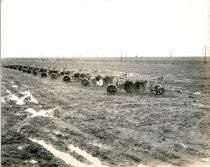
x=205 y=55
x=170 y=54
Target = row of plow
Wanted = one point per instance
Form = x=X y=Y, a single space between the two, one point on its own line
x=113 y=84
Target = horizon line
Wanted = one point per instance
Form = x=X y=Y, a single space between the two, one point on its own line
x=119 y=57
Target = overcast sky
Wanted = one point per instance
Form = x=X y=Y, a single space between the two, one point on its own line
x=104 y=27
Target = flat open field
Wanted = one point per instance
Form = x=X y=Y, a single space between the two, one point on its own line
x=50 y=123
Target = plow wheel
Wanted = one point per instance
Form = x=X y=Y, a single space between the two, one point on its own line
x=76 y=75
x=62 y=73
x=129 y=86
x=35 y=73
x=157 y=89
x=140 y=87
x=111 y=89
x=43 y=74
x=66 y=78
x=85 y=82
x=54 y=76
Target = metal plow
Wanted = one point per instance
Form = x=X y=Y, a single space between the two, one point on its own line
x=113 y=84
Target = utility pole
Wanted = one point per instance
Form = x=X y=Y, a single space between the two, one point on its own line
x=170 y=54
x=205 y=55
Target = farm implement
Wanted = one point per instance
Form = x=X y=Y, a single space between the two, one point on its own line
x=113 y=84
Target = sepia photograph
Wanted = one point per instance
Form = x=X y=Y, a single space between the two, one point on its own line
x=105 y=83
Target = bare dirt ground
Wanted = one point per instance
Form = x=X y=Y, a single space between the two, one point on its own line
x=50 y=123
